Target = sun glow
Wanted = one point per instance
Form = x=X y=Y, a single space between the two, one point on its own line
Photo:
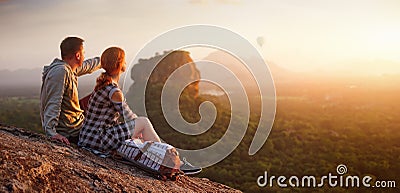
x=385 y=43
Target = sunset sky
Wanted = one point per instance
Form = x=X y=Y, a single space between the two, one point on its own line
x=313 y=35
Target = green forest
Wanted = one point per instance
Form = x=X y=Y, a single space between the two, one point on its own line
x=316 y=128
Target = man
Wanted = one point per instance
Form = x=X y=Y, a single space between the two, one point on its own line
x=60 y=112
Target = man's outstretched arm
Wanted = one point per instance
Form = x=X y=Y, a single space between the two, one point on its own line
x=89 y=66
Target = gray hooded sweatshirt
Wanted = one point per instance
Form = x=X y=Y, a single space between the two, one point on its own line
x=60 y=111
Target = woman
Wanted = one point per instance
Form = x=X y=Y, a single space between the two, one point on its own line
x=101 y=129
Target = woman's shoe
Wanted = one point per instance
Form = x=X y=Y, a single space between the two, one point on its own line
x=188 y=168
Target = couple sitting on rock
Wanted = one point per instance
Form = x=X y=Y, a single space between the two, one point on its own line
x=61 y=114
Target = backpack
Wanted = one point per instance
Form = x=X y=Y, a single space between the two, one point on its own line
x=157 y=158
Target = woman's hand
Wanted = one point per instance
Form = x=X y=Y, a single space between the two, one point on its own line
x=60 y=138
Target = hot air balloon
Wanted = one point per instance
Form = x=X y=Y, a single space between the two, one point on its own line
x=260 y=41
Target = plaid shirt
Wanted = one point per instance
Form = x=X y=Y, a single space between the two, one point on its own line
x=101 y=129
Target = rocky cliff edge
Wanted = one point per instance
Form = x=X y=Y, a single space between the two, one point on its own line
x=30 y=162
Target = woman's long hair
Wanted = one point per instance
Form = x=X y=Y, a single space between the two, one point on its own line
x=112 y=61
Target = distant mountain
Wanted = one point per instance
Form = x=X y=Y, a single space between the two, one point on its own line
x=239 y=70
x=238 y=67
x=27 y=82
x=23 y=82
x=20 y=77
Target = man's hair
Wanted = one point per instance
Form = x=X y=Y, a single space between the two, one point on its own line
x=69 y=46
